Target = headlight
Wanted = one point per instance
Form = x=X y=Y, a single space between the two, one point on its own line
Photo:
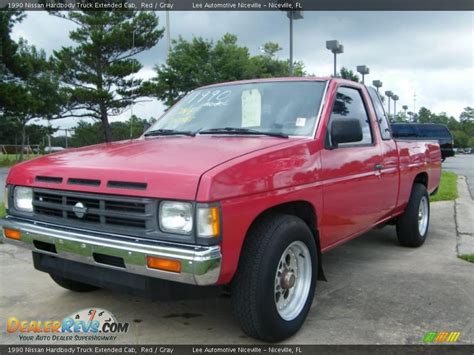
x=208 y=222
x=23 y=199
x=176 y=217
x=5 y=197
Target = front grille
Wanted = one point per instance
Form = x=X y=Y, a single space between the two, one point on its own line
x=107 y=213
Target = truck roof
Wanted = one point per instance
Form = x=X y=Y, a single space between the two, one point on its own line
x=295 y=78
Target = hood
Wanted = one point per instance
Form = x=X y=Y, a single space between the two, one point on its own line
x=163 y=167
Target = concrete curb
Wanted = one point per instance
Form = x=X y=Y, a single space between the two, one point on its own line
x=464 y=217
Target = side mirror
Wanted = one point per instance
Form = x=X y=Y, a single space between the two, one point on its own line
x=345 y=131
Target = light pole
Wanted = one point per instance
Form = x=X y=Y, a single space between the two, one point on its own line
x=293 y=15
x=363 y=70
x=377 y=84
x=168 y=33
x=336 y=48
x=389 y=94
x=395 y=99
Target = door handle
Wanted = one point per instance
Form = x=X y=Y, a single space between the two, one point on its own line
x=378 y=167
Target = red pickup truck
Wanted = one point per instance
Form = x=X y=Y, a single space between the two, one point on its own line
x=244 y=184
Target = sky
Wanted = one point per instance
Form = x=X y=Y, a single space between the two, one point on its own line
x=427 y=54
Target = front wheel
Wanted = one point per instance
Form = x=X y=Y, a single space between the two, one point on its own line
x=412 y=225
x=274 y=286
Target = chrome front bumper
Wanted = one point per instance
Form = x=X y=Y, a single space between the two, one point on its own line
x=200 y=265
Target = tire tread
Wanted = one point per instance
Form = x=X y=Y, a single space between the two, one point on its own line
x=247 y=280
x=407 y=224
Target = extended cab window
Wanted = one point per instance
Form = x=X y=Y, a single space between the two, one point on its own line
x=380 y=112
x=349 y=104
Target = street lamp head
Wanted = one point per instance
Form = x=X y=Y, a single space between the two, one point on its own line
x=405 y=107
x=377 y=83
x=395 y=97
x=388 y=93
x=363 y=69
x=332 y=45
x=335 y=47
x=296 y=15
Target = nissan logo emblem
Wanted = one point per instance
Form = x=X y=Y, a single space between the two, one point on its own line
x=79 y=210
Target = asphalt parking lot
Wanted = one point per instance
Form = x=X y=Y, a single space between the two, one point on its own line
x=377 y=293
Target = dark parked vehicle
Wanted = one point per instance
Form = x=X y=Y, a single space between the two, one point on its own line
x=426 y=131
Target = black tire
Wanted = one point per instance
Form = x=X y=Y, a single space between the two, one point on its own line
x=407 y=224
x=253 y=287
x=72 y=285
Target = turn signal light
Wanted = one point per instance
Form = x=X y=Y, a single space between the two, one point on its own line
x=214 y=217
x=154 y=262
x=208 y=222
x=12 y=233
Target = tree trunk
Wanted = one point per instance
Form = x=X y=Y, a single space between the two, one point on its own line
x=23 y=137
x=105 y=123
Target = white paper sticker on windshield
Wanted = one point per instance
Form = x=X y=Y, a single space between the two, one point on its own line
x=300 y=122
x=251 y=108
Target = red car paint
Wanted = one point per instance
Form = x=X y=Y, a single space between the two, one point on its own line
x=249 y=175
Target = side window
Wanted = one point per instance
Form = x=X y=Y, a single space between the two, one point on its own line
x=349 y=104
x=380 y=112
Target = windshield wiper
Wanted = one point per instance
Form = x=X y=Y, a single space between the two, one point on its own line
x=247 y=131
x=169 y=132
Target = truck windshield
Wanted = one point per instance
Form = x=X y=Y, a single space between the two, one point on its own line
x=287 y=108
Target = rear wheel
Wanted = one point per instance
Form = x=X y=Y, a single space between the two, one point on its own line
x=412 y=225
x=273 y=289
x=72 y=285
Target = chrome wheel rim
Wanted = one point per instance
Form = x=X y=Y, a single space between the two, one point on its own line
x=423 y=213
x=293 y=280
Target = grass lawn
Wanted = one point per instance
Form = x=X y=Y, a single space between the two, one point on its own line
x=468 y=257
x=10 y=159
x=448 y=187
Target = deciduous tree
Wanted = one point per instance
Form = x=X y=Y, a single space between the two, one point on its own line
x=199 y=62
x=348 y=74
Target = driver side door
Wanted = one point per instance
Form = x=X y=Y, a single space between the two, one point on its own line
x=352 y=187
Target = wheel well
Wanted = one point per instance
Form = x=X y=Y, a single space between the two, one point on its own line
x=301 y=209
x=422 y=178
x=307 y=213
